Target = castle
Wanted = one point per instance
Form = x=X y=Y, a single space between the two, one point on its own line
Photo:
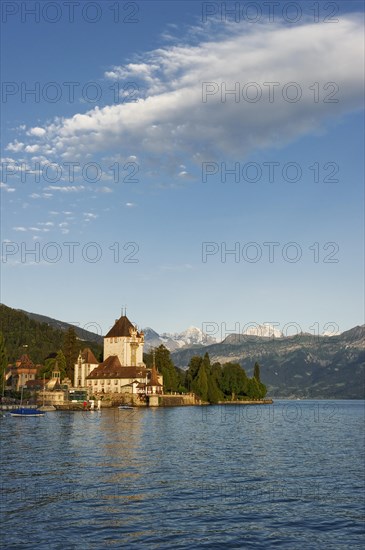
x=123 y=370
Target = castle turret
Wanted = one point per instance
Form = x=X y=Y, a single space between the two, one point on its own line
x=126 y=342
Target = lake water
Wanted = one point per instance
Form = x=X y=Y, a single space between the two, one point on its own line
x=287 y=475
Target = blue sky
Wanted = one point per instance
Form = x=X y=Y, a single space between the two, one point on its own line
x=118 y=101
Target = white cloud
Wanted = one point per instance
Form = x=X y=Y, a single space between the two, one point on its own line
x=172 y=119
x=16 y=146
x=36 y=131
x=41 y=196
x=19 y=228
x=6 y=187
x=66 y=188
x=90 y=215
x=130 y=204
x=31 y=148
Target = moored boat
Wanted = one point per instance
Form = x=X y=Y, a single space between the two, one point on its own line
x=48 y=408
x=26 y=411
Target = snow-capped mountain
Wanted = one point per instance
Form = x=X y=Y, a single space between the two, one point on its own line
x=264 y=331
x=192 y=336
x=331 y=333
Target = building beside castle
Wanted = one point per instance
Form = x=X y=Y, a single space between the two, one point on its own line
x=123 y=370
x=86 y=362
x=24 y=371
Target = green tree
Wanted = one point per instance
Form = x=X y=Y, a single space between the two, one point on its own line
x=192 y=372
x=216 y=372
x=256 y=389
x=181 y=380
x=50 y=364
x=214 y=393
x=164 y=364
x=256 y=372
x=234 y=380
x=200 y=383
x=3 y=362
x=71 y=351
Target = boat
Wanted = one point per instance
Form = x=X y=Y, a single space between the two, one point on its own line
x=26 y=411
x=125 y=407
x=47 y=408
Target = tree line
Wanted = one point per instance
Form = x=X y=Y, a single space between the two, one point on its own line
x=68 y=347
x=212 y=382
x=40 y=340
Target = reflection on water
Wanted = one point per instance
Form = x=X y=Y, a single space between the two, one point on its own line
x=290 y=474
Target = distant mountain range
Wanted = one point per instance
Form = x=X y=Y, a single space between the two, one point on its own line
x=193 y=336
x=302 y=366
x=190 y=337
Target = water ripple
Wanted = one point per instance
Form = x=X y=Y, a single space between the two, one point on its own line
x=289 y=475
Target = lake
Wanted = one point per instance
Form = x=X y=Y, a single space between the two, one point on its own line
x=288 y=475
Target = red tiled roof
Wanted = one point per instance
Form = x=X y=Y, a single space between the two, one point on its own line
x=121 y=327
x=154 y=380
x=88 y=357
x=25 y=361
x=111 y=368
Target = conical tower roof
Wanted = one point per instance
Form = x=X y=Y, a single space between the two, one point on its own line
x=154 y=378
x=121 y=327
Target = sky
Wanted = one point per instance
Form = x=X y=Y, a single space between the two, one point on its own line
x=196 y=165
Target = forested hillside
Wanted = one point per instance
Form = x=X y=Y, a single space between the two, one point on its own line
x=38 y=340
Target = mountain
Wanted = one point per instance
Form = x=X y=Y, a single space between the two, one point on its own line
x=264 y=331
x=190 y=337
x=27 y=333
x=61 y=325
x=304 y=366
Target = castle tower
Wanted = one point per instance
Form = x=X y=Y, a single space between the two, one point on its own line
x=124 y=341
x=86 y=362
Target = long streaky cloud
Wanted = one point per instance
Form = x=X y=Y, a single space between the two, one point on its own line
x=173 y=117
